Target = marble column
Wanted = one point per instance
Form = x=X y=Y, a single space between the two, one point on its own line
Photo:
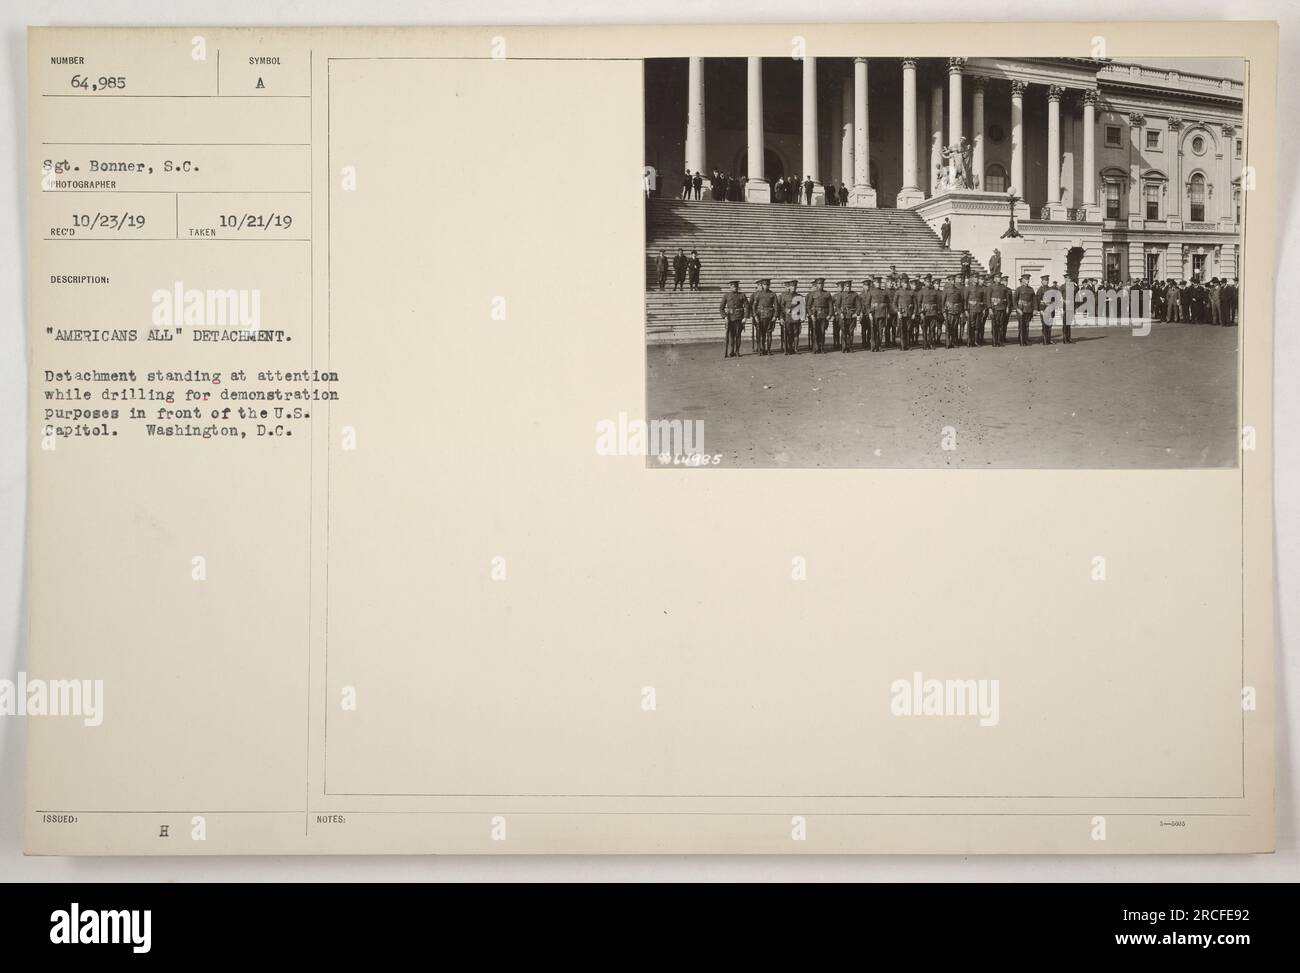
x=1018 y=137
x=936 y=133
x=910 y=193
x=977 y=131
x=810 y=166
x=1091 y=209
x=835 y=130
x=757 y=189
x=847 y=121
x=862 y=193
x=955 y=67
x=1055 y=208
x=695 y=119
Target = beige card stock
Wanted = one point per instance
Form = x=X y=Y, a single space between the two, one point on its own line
x=332 y=548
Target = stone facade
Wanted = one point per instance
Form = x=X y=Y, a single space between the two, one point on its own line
x=1121 y=170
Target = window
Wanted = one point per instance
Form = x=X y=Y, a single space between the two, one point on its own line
x=1152 y=195
x=1238 y=148
x=1198 y=144
x=1196 y=196
x=1112 y=200
x=1153 y=138
x=1113 y=136
x=995 y=180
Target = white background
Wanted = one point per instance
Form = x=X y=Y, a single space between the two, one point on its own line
x=16 y=15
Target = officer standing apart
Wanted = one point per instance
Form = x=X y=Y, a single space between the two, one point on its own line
x=732 y=310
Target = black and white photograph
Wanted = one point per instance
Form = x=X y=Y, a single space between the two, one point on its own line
x=939 y=262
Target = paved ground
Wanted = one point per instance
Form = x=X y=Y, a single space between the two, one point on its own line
x=1112 y=399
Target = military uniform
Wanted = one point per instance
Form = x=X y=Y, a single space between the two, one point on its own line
x=928 y=299
x=977 y=299
x=1026 y=301
x=953 y=299
x=789 y=309
x=763 y=309
x=999 y=305
x=903 y=306
x=848 y=306
x=836 y=318
x=877 y=312
x=818 y=304
x=1044 y=313
x=733 y=309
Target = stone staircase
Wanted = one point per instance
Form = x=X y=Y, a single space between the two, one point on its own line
x=752 y=240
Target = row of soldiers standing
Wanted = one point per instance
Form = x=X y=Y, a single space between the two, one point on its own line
x=900 y=313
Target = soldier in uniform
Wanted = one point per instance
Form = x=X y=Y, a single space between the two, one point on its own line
x=850 y=309
x=790 y=311
x=888 y=287
x=927 y=300
x=999 y=303
x=661 y=268
x=1026 y=301
x=818 y=304
x=763 y=309
x=953 y=299
x=977 y=300
x=911 y=308
x=733 y=310
x=875 y=308
x=965 y=267
x=1044 y=312
x=693 y=270
x=901 y=310
x=995 y=265
x=837 y=300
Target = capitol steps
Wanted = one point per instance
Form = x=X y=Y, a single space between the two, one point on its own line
x=746 y=241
